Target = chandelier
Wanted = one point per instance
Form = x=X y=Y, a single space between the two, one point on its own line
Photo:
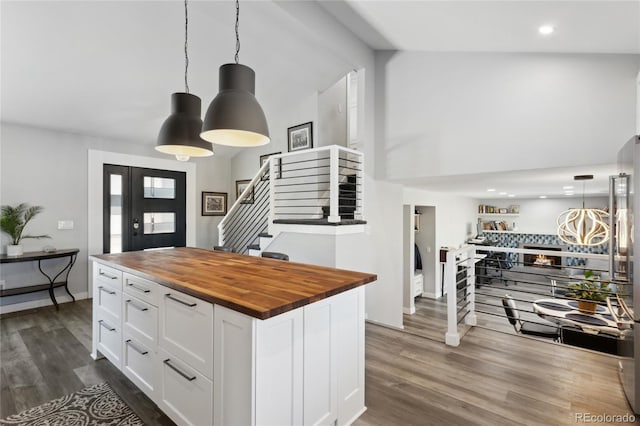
x=583 y=227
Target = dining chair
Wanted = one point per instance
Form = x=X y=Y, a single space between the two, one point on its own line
x=528 y=327
x=275 y=255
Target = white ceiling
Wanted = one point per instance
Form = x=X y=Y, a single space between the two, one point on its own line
x=107 y=68
x=604 y=26
x=523 y=184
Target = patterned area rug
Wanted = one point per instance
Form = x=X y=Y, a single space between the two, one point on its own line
x=96 y=405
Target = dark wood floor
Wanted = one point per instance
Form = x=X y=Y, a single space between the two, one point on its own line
x=490 y=379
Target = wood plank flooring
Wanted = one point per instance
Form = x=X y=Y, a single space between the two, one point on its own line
x=490 y=379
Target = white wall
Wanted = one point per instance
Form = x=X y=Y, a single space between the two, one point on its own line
x=49 y=168
x=539 y=216
x=425 y=238
x=332 y=115
x=455 y=219
x=463 y=113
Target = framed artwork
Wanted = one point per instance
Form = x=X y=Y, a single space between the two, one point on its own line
x=214 y=203
x=264 y=158
x=300 y=137
x=241 y=185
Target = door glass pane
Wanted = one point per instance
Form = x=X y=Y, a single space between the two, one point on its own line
x=115 y=214
x=156 y=187
x=159 y=223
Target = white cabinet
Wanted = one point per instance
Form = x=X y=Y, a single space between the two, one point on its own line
x=185 y=394
x=186 y=329
x=418 y=284
x=142 y=289
x=107 y=301
x=140 y=320
x=139 y=365
x=109 y=338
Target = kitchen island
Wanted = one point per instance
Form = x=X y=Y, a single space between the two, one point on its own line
x=228 y=339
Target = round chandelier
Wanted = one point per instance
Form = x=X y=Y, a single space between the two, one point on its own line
x=583 y=227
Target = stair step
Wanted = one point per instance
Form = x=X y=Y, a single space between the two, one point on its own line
x=341 y=209
x=348 y=186
x=265 y=235
x=253 y=246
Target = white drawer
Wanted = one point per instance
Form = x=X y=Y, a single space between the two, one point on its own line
x=138 y=364
x=186 y=396
x=186 y=330
x=107 y=274
x=140 y=319
x=142 y=289
x=109 y=338
x=109 y=299
x=418 y=285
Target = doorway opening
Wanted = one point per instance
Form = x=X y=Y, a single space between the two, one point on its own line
x=143 y=208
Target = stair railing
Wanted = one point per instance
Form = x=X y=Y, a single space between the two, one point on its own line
x=248 y=217
x=313 y=185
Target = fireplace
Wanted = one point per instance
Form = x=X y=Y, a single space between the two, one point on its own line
x=541 y=260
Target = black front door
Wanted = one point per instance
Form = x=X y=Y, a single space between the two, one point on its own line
x=143 y=208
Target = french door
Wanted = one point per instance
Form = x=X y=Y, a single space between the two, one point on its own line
x=143 y=208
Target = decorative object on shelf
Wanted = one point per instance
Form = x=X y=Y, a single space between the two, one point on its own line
x=264 y=158
x=300 y=137
x=214 y=203
x=241 y=185
x=180 y=132
x=514 y=209
x=13 y=221
x=583 y=227
x=234 y=117
x=589 y=291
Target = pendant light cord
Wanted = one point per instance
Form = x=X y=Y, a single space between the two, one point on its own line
x=186 y=47
x=237 y=30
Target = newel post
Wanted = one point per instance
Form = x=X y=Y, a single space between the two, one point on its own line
x=334 y=184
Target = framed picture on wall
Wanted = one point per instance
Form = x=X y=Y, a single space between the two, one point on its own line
x=214 y=203
x=241 y=185
x=264 y=158
x=300 y=137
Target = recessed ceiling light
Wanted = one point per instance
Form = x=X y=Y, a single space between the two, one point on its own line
x=546 y=29
x=491 y=190
x=543 y=196
x=567 y=187
x=511 y=195
x=503 y=193
x=569 y=193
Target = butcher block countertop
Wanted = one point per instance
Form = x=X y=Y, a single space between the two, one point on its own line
x=259 y=287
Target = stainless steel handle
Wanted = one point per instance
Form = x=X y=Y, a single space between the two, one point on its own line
x=612 y=229
x=135 y=348
x=142 y=289
x=191 y=305
x=106 y=291
x=107 y=326
x=104 y=274
x=129 y=301
x=177 y=370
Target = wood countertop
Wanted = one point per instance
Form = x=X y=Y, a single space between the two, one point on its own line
x=259 y=287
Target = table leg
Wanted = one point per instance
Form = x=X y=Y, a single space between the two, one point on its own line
x=66 y=269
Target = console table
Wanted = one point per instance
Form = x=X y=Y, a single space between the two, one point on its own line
x=39 y=256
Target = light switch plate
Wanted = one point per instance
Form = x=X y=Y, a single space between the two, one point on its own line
x=65 y=224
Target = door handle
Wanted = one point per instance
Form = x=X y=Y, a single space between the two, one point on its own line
x=142 y=289
x=136 y=306
x=136 y=226
x=177 y=370
x=107 y=326
x=135 y=348
x=104 y=274
x=191 y=305
x=106 y=291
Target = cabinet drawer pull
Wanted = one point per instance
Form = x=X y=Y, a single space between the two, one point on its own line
x=177 y=370
x=107 y=326
x=136 y=306
x=104 y=274
x=191 y=305
x=135 y=348
x=106 y=291
x=142 y=289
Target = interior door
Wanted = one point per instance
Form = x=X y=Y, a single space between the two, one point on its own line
x=143 y=208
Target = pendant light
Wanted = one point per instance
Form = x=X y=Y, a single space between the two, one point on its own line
x=234 y=117
x=180 y=132
x=583 y=227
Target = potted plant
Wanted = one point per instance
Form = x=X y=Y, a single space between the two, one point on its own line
x=13 y=220
x=589 y=291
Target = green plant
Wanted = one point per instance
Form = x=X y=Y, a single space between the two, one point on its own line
x=14 y=219
x=592 y=288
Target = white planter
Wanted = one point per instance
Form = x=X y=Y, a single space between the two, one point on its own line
x=14 y=250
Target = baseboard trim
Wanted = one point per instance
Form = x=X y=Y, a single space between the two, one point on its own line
x=429 y=295
x=381 y=324
x=409 y=311
x=32 y=304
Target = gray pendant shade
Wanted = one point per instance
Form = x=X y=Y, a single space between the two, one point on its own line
x=234 y=117
x=180 y=132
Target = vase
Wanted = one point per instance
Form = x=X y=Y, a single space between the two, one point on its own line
x=587 y=306
x=14 y=250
